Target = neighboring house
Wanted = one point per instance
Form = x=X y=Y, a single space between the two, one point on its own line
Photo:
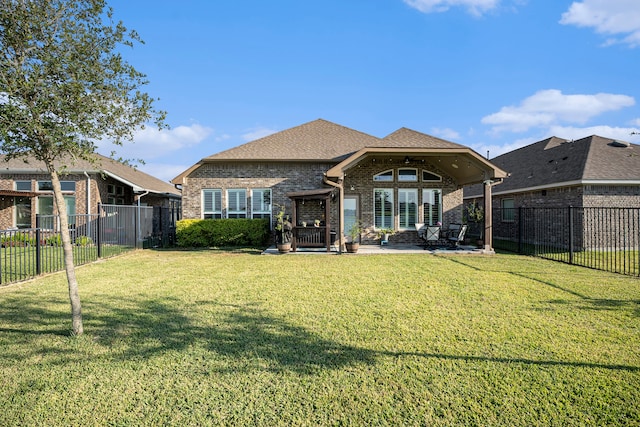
x=555 y=172
x=25 y=189
x=561 y=194
x=335 y=175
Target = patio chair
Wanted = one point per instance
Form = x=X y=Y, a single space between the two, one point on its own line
x=431 y=235
x=420 y=228
x=455 y=238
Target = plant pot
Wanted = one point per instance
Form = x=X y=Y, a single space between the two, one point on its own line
x=284 y=247
x=352 y=248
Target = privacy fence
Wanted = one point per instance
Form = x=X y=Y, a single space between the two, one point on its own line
x=601 y=238
x=26 y=253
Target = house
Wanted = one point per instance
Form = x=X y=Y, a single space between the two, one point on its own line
x=555 y=172
x=25 y=189
x=330 y=175
x=567 y=195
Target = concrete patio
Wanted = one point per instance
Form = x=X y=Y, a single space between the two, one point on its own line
x=386 y=249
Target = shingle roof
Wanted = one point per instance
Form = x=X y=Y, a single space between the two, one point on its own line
x=408 y=138
x=316 y=140
x=556 y=162
x=143 y=181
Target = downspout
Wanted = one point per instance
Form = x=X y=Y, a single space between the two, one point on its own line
x=340 y=188
x=88 y=203
x=139 y=231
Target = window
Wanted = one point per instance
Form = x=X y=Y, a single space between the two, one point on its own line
x=236 y=203
x=261 y=203
x=432 y=206
x=23 y=185
x=211 y=204
x=408 y=207
x=383 y=208
x=46 y=208
x=386 y=176
x=430 y=177
x=408 y=175
x=508 y=210
x=64 y=185
x=23 y=212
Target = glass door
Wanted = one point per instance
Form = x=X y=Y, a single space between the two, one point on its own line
x=351 y=213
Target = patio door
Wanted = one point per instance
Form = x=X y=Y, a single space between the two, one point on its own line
x=351 y=212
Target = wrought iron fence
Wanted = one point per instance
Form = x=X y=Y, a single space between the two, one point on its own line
x=601 y=238
x=26 y=253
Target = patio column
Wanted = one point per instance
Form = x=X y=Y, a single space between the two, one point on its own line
x=488 y=216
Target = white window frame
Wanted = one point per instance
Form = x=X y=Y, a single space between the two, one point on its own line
x=405 y=203
x=215 y=210
x=425 y=172
x=507 y=213
x=412 y=177
x=382 y=217
x=384 y=176
x=430 y=207
x=237 y=198
x=261 y=203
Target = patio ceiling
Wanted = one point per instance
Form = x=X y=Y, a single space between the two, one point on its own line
x=463 y=164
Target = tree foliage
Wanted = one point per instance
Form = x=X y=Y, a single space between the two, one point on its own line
x=64 y=85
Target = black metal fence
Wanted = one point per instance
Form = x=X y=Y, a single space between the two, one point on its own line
x=601 y=238
x=26 y=253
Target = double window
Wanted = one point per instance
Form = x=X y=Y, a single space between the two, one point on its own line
x=432 y=206
x=407 y=207
x=237 y=203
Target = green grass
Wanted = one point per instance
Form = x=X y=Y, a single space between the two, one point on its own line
x=214 y=338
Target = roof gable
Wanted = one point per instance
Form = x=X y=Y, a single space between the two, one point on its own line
x=407 y=138
x=313 y=141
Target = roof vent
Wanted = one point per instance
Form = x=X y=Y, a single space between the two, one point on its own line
x=621 y=144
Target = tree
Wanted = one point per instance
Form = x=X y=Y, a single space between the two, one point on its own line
x=64 y=85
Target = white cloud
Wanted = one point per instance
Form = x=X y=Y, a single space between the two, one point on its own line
x=475 y=7
x=550 y=107
x=151 y=143
x=445 y=133
x=257 y=133
x=635 y=122
x=609 y=17
x=570 y=132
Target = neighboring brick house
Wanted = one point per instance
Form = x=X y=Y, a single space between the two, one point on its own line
x=343 y=175
x=593 y=173
x=25 y=189
x=555 y=172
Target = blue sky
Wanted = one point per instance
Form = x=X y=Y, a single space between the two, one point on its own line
x=494 y=75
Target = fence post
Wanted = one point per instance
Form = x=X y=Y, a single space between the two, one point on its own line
x=38 y=249
x=571 y=235
x=99 y=230
x=136 y=225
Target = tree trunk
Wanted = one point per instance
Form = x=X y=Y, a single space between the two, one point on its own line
x=67 y=248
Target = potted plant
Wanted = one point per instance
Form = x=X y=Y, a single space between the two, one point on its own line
x=474 y=215
x=316 y=223
x=354 y=234
x=283 y=231
x=384 y=233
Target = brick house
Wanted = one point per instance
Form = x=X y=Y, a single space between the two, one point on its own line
x=25 y=189
x=555 y=172
x=596 y=174
x=329 y=174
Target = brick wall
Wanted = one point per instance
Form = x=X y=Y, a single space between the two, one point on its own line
x=283 y=178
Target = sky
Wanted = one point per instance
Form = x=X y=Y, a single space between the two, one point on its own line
x=494 y=75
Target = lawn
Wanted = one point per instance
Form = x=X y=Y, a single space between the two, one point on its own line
x=214 y=338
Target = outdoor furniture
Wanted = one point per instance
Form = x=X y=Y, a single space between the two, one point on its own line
x=456 y=237
x=432 y=235
x=420 y=228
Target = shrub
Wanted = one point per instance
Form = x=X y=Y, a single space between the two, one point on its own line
x=17 y=239
x=204 y=233
x=53 y=240
x=84 y=241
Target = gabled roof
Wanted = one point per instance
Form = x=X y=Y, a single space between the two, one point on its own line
x=324 y=141
x=315 y=141
x=404 y=137
x=138 y=180
x=557 y=162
